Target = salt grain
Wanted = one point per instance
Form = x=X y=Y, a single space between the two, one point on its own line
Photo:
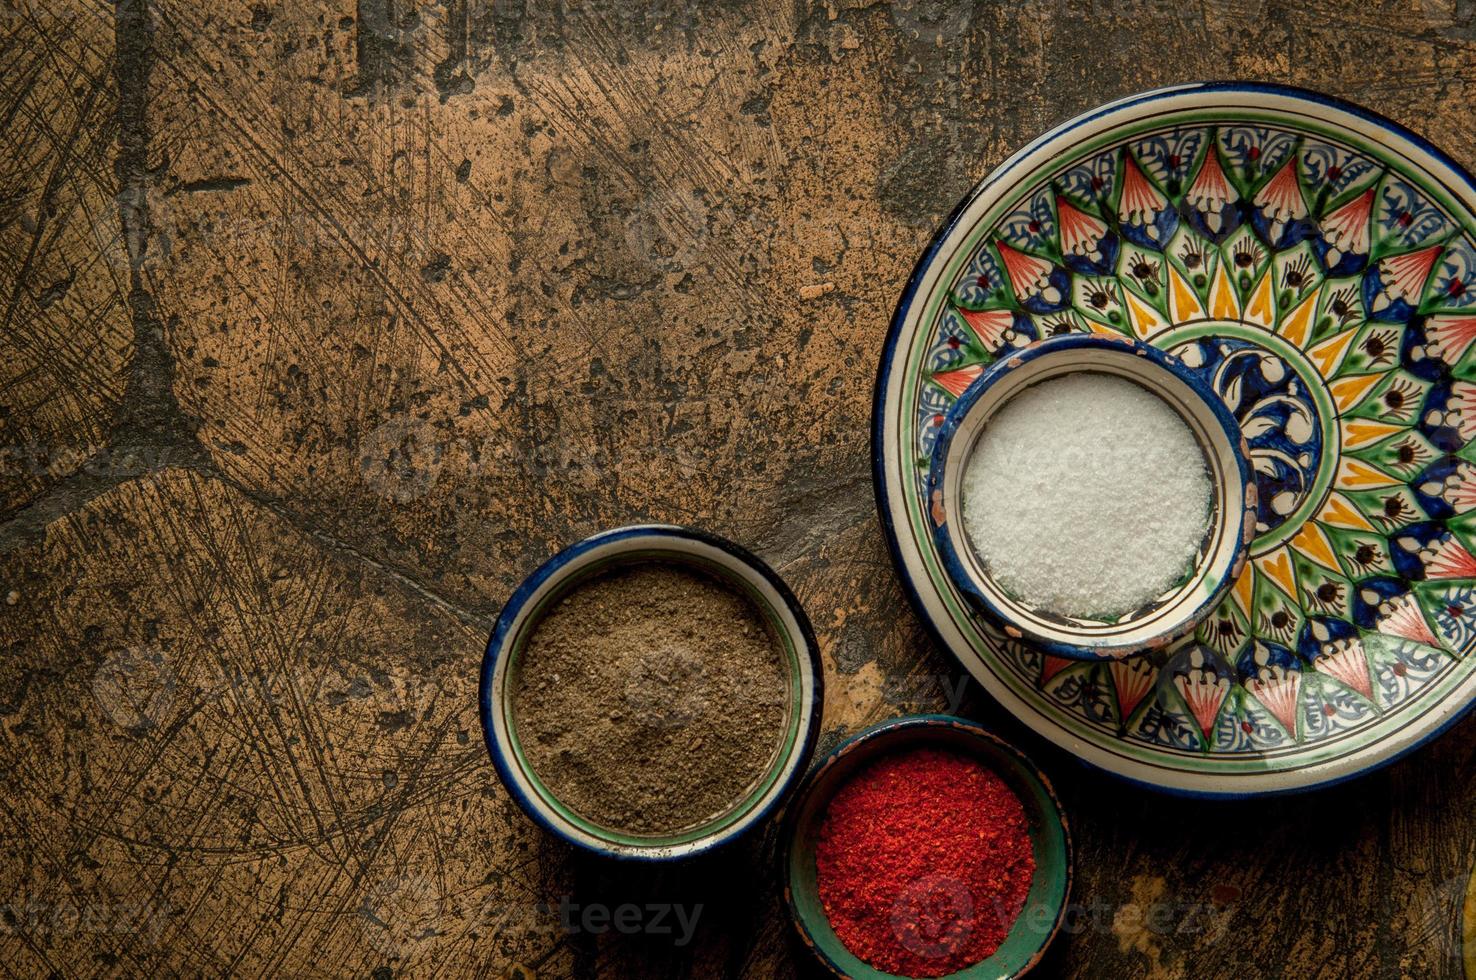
x=1087 y=496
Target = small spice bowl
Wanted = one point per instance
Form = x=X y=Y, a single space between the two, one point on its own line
x=715 y=558
x=1050 y=886
x=1221 y=555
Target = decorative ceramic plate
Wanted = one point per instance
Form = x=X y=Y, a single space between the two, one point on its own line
x=1315 y=264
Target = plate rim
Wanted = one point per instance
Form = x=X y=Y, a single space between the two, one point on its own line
x=1179 y=782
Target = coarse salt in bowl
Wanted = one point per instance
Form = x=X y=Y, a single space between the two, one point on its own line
x=1036 y=603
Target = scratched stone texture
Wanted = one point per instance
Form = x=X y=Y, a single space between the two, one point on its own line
x=325 y=323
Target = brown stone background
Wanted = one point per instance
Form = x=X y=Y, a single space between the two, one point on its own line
x=324 y=323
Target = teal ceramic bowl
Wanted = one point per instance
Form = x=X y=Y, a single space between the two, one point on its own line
x=1045 y=904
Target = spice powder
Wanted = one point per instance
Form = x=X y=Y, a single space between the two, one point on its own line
x=923 y=862
x=651 y=698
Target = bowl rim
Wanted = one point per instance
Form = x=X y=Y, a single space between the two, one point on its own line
x=1235 y=511
x=566 y=565
x=889 y=730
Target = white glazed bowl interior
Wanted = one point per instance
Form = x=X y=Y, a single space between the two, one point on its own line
x=1221 y=555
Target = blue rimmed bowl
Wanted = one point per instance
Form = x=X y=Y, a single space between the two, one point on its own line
x=1222 y=553
x=1050 y=886
x=652 y=543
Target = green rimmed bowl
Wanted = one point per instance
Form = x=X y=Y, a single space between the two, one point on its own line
x=1045 y=903
x=652 y=543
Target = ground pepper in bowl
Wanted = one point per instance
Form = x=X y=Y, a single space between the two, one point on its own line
x=923 y=862
x=651 y=698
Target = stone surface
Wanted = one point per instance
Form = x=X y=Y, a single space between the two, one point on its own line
x=66 y=332
x=326 y=323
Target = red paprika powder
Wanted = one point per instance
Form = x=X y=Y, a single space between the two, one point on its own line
x=923 y=862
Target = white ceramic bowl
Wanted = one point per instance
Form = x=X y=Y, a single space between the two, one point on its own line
x=1222 y=553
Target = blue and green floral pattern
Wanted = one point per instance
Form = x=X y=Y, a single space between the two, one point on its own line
x=1326 y=289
